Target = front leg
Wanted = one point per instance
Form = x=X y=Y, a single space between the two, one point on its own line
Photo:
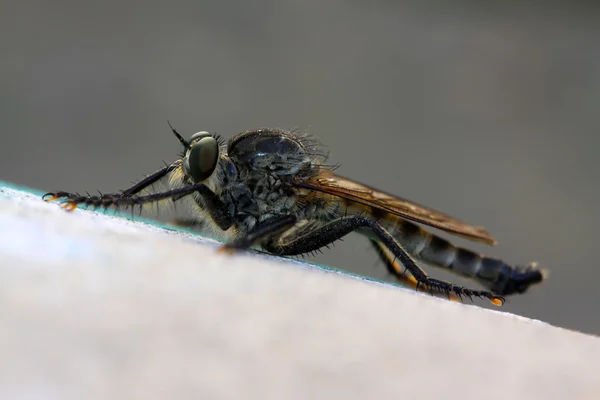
x=211 y=202
x=135 y=189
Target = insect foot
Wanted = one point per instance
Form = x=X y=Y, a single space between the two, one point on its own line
x=436 y=285
x=73 y=200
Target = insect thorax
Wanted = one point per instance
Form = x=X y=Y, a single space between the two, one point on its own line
x=256 y=196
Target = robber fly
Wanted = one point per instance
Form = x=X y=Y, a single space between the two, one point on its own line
x=271 y=188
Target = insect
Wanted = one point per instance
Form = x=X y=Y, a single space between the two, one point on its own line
x=272 y=189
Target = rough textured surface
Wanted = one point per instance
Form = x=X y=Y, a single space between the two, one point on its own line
x=93 y=306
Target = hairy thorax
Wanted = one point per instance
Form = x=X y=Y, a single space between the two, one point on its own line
x=256 y=196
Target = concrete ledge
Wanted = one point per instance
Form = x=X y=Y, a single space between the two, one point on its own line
x=93 y=306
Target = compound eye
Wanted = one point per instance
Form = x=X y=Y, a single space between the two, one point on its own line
x=202 y=158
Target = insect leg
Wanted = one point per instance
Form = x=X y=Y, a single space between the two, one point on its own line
x=266 y=229
x=212 y=203
x=189 y=223
x=149 y=180
x=336 y=229
x=396 y=269
x=141 y=185
x=109 y=199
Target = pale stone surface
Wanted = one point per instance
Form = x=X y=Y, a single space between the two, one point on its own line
x=93 y=306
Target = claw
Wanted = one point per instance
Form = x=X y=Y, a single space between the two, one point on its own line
x=497 y=301
x=53 y=197
x=70 y=206
x=226 y=250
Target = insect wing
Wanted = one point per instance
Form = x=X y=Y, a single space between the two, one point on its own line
x=349 y=189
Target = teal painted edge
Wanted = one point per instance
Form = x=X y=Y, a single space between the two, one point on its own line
x=9 y=185
x=149 y=221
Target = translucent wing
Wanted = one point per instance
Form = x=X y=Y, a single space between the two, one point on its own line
x=348 y=189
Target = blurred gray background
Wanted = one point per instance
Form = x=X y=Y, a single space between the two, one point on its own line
x=488 y=114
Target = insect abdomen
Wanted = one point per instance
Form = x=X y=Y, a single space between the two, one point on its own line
x=440 y=252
